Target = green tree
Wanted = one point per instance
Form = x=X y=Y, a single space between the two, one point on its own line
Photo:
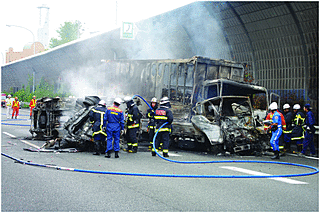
x=67 y=32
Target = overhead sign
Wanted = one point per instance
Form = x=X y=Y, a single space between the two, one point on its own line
x=127 y=30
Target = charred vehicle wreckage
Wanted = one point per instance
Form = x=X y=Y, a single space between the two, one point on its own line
x=61 y=125
x=214 y=108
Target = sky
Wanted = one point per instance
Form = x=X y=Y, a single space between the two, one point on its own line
x=95 y=16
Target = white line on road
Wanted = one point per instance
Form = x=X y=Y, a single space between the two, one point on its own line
x=23 y=141
x=171 y=154
x=9 y=134
x=247 y=171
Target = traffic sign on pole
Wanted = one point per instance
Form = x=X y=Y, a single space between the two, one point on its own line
x=127 y=30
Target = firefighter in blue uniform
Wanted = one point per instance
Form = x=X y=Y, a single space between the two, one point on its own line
x=297 y=133
x=114 y=122
x=162 y=115
x=288 y=116
x=96 y=118
x=133 y=117
x=151 y=123
x=310 y=130
x=276 y=130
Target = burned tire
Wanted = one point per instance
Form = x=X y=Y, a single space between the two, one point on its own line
x=88 y=103
x=79 y=103
x=94 y=99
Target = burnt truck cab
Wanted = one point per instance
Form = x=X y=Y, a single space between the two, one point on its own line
x=227 y=121
x=225 y=118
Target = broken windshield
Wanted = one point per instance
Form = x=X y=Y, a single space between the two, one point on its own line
x=235 y=107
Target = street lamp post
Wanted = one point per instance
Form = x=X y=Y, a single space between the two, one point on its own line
x=34 y=50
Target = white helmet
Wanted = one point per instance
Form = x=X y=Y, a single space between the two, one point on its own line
x=153 y=100
x=9 y=96
x=102 y=103
x=286 y=106
x=296 y=106
x=164 y=100
x=127 y=99
x=118 y=101
x=273 y=106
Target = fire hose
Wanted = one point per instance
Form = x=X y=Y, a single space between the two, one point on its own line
x=182 y=162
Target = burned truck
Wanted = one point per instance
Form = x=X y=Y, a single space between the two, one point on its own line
x=212 y=105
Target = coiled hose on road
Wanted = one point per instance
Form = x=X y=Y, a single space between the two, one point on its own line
x=182 y=162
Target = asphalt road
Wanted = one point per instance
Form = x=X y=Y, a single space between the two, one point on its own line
x=35 y=188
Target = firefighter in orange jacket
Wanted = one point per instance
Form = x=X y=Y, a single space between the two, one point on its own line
x=15 y=107
x=32 y=104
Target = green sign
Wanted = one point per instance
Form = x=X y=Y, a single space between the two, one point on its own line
x=127 y=30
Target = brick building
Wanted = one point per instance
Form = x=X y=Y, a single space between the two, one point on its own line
x=27 y=51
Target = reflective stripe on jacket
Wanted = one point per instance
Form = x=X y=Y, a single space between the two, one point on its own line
x=32 y=103
x=163 y=115
x=15 y=104
x=96 y=116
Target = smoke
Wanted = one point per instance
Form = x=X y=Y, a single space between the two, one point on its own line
x=186 y=32
x=183 y=33
x=92 y=81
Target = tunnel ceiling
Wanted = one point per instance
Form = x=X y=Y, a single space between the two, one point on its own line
x=278 y=41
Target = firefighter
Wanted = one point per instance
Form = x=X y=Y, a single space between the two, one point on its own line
x=287 y=132
x=276 y=128
x=99 y=135
x=114 y=122
x=297 y=133
x=15 y=107
x=310 y=130
x=151 y=123
x=32 y=104
x=133 y=117
x=9 y=101
x=267 y=126
x=162 y=115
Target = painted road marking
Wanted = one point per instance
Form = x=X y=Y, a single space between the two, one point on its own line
x=23 y=141
x=171 y=154
x=9 y=134
x=247 y=171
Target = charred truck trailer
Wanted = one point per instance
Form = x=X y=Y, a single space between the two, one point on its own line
x=213 y=106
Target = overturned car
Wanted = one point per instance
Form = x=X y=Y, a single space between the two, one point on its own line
x=61 y=126
x=45 y=119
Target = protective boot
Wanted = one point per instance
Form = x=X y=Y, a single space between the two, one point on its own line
x=166 y=155
x=116 y=155
x=134 y=149
x=276 y=155
x=153 y=153
x=129 y=149
x=107 y=154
